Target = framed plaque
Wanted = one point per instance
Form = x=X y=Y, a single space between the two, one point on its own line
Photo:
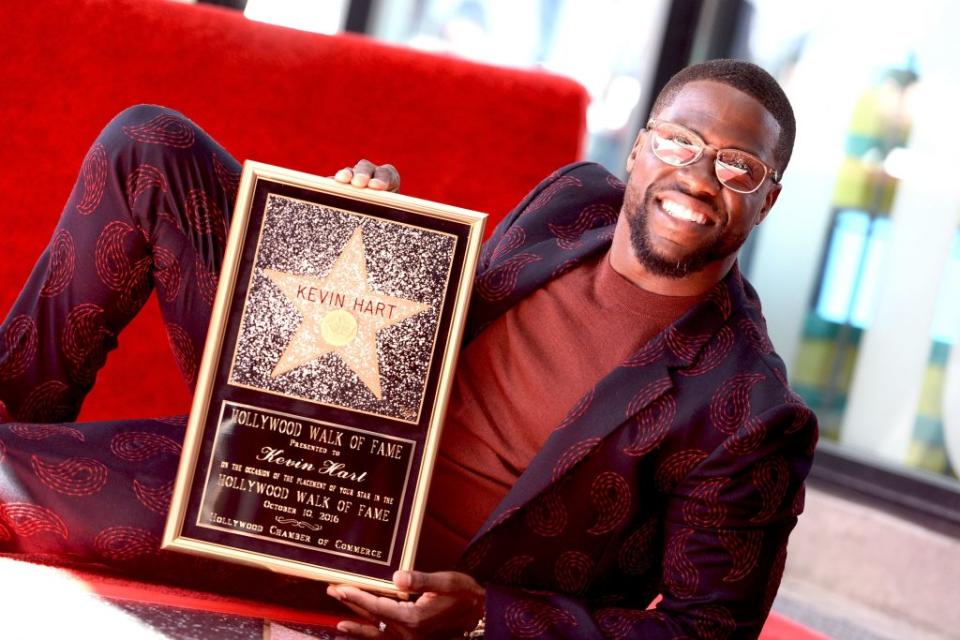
x=324 y=380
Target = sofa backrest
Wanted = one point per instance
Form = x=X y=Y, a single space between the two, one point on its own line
x=464 y=133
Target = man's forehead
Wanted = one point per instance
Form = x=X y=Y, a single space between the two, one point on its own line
x=724 y=116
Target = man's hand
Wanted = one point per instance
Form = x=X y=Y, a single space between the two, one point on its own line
x=365 y=174
x=450 y=604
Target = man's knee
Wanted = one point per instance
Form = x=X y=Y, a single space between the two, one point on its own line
x=148 y=124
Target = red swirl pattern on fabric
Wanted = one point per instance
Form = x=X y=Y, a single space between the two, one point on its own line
x=679 y=573
x=476 y=554
x=637 y=552
x=513 y=239
x=44 y=431
x=572 y=571
x=756 y=337
x=648 y=353
x=499 y=283
x=578 y=410
x=93 y=179
x=142 y=178
x=713 y=356
x=166 y=273
x=744 y=549
x=511 y=572
x=204 y=215
x=573 y=455
x=182 y=348
x=137 y=446
x=503 y=517
x=121 y=544
x=206 y=281
x=529 y=619
x=703 y=507
x=110 y=260
x=771 y=477
x=720 y=296
x=558 y=185
x=730 y=405
x=157 y=498
x=63 y=263
x=83 y=341
x=611 y=495
x=26 y=519
x=747 y=439
x=684 y=346
x=653 y=413
x=163 y=129
x=616 y=183
x=676 y=467
x=714 y=622
x=5 y=534
x=803 y=413
x=177 y=421
x=138 y=286
x=565 y=267
x=48 y=402
x=590 y=217
x=71 y=477
x=20 y=340
x=617 y=623
x=228 y=180
x=547 y=515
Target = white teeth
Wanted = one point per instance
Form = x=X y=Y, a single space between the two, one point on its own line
x=677 y=210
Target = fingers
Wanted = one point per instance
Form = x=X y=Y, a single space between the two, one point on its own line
x=357 y=630
x=438 y=582
x=385 y=177
x=365 y=174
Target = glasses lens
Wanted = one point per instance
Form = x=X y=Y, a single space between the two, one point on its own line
x=675 y=145
x=740 y=171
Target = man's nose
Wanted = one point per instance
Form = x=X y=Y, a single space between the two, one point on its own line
x=700 y=177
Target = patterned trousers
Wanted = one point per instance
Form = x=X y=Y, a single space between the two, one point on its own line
x=149 y=211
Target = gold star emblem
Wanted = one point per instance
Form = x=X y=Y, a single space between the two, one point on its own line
x=340 y=315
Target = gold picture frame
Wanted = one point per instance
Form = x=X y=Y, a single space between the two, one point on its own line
x=324 y=381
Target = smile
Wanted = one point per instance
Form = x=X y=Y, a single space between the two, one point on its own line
x=677 y=210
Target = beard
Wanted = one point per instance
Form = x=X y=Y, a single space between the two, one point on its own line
x=696 y=260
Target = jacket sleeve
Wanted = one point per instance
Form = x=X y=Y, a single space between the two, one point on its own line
x=725 y=533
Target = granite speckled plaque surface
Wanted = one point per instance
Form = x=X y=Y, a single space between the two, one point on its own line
x=324 y=379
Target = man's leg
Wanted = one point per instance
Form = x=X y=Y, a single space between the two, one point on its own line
x=149 y=209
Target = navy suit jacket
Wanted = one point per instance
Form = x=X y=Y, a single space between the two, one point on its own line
x=680 y=473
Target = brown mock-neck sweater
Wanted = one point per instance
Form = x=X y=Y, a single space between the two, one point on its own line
x=518 y=379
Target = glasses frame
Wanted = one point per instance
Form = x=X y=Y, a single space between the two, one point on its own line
x=769 y=171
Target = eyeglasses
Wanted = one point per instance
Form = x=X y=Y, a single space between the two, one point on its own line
x=737 y=170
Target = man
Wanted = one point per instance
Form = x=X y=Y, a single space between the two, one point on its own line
x=620 y=427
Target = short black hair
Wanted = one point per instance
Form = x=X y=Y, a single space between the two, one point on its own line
x=748 y=78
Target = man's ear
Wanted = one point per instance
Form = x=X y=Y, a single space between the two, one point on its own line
x=768 y=201
x=637 y=146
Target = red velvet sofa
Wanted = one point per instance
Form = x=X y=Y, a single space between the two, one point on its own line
x=463 y=133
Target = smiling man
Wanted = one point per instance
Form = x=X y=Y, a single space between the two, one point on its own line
x=620 y=427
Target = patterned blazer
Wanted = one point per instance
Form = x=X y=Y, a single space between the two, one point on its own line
x=680 y=473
